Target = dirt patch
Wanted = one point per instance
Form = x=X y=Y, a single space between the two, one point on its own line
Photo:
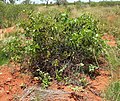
x=112 y=18
x=110 y=40
x=12 y=83
x=6 y=31
x=91 y=93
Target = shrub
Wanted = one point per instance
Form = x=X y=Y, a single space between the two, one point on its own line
x=60 y=39
x=3 y=57
x=56 y=44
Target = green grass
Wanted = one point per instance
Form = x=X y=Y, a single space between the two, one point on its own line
x=3 y=59
x=113 y=91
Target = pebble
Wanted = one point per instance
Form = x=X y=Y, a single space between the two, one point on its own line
x=9 y=80
x=7 y=92
x=36 y=78
x=1 y=73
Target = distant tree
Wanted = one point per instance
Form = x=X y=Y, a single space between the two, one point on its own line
x=12 y=1
x=89 y=1
x=34 y=2
x=74 y=2
x=26 y=2
x=3 y=1
x=51 y=2
x=46 y=1
x=58 y=2
x=9 y=1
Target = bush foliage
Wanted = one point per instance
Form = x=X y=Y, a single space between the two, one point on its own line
x=56 y=44
x=60 y=39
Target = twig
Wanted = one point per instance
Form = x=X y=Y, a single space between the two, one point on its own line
x=94 y=92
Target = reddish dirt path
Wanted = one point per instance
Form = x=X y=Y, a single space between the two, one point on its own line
x=12 y=82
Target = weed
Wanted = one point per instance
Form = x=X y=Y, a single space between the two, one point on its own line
x=59 y=73
x=45 y=78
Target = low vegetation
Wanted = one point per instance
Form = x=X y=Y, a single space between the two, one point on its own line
x=113 y=92
x=12 y=14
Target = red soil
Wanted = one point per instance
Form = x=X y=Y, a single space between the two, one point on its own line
x=7 y=30
x=110 y=40
x=12 y=82
x=91 y=93
x=112 y=18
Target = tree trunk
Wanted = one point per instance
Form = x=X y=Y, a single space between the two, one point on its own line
x=89 y=1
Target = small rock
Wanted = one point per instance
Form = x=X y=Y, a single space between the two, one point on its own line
x=23 y=85
x=0 y=73
x=36 y=78
x=9 y=80
x=7 y=92
x=1 y=90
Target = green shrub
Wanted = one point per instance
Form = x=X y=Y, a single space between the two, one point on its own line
x=3 y=58
x=60 y=39
x=16 y=48
x=56 y=44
